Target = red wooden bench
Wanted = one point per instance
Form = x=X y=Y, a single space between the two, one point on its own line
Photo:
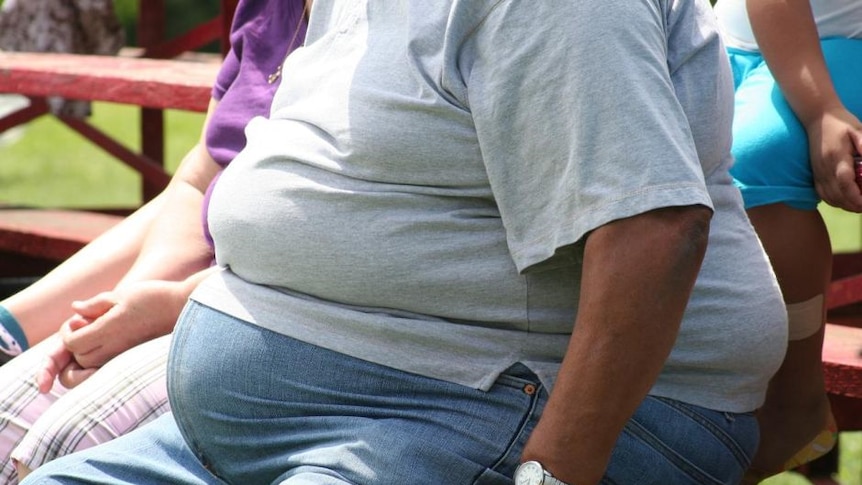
x=32 y=241
x=842 y=348
x=50 y=234
x=842 y=356
x=149 y=83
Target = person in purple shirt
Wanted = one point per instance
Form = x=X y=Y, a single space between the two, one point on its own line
x=103 y=373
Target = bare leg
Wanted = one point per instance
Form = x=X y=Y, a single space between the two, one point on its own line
x=796 y=407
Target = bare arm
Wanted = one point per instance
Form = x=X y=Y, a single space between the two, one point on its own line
x=41 y=307
x=173 y=250
x=174 y=247
x=155 y=235
x=637 y=278
x=144 y=307
x=787 y=36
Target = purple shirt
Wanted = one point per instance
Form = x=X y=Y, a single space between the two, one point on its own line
x=262 y=34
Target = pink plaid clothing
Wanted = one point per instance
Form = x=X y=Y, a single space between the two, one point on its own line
x=36 y=428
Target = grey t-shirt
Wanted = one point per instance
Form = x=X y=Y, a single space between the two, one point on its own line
x=419 y=194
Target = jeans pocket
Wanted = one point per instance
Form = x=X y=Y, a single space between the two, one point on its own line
x=527 y=397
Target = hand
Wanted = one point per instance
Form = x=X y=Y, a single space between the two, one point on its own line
x=59 y=363
x=834 y=139
x=121 y=319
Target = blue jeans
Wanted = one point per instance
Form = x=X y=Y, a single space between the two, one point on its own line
x=256 y=407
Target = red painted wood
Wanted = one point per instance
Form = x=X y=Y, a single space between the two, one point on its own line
x=37 y=108
x=151 y=22
x=846 y=264
x=50 y=234
x=153 y=83
x=29 y=236
x=844 y=291
x=189 y=41
x=228 y=7
x=842 y=361
x=151 y=171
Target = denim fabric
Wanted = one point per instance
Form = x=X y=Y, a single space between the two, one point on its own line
x=671 y=443
x=299 y=414
x=154 y=454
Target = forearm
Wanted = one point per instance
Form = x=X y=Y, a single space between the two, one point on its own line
x=167 y=301
x=175 y=247
x=41 y=307
x=787 y=37
x=637 y=277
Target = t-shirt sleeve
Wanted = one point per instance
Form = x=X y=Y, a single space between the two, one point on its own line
x=577 y=120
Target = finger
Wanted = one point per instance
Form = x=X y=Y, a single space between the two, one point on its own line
x=55 y=361
x=79 y=335
x=74 y=374
x=95 y=306
x=97 y=357
x=839 y=187
x=850 y=195
x=75 y=322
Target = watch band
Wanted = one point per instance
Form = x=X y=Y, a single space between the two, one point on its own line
x=550 y=480
x=533 y=473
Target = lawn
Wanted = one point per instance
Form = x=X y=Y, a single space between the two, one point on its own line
x=48 y=165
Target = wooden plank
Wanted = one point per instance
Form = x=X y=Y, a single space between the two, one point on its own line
x=847 y=412
x=846 y=264
x=51 y=234
x=152 y=83
x=842 y=360
x=844 y=291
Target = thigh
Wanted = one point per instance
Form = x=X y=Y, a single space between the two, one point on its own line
x=260 y=407
x=126 y=393
x=667 y=441
x=21 y=404
x=154 y=454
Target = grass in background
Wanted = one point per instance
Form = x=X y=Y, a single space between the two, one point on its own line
x=51 y=166
x=845 y=229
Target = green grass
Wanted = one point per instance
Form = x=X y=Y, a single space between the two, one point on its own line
x=849 y=464
x=845 y=229
x=48 y=165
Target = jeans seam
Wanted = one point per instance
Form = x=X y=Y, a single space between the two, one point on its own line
x=522 y=428
x=728 y=441
x=638 y=431
x=186 y=432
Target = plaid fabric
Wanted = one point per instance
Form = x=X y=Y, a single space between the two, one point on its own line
x=36 y=428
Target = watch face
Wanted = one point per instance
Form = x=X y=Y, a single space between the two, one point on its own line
x=529 y=473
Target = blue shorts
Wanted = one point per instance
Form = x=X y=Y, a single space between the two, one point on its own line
x=770 y=146
x=253 y=406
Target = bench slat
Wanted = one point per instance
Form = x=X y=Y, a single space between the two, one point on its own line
x=50 y=234
x=152 y=83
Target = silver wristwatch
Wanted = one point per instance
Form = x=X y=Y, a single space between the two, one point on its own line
x=533 y=473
